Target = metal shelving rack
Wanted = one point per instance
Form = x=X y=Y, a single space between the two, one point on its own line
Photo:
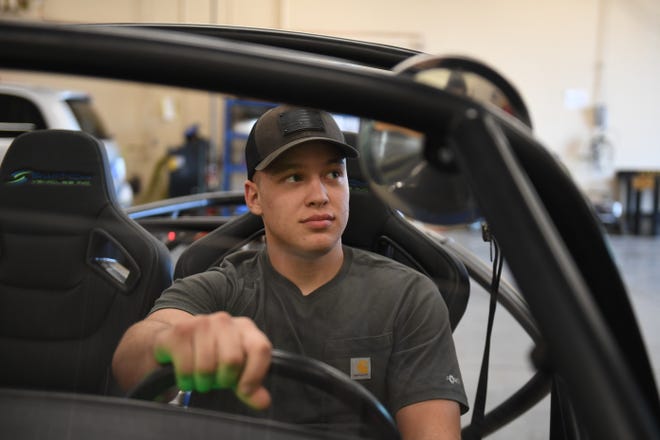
x=233 y=140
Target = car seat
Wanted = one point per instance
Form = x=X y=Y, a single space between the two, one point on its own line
x=75 y=271
x=372 y=226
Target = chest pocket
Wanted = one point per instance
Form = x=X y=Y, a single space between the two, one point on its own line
x=363 y=359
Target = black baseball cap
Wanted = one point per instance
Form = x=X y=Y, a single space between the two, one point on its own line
x=284 y=127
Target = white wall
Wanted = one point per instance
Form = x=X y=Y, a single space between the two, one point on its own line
x=564 y=56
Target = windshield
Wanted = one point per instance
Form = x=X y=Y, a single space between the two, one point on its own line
x=18 y=115
x=87 y=117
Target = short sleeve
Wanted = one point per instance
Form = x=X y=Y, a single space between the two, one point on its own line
x=423 y=365
x=197 y=294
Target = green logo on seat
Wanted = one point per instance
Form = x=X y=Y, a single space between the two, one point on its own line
x=31 y=177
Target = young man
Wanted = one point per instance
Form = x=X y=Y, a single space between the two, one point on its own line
x=382 y=323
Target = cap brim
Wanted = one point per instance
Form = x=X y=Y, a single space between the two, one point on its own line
x=348 y=150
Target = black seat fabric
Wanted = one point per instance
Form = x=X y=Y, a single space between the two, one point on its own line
x=371 y=226
x=75 y=271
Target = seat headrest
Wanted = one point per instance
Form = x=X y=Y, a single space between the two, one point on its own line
x=56 y=170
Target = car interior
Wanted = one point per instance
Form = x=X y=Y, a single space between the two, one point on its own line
x=126 y=268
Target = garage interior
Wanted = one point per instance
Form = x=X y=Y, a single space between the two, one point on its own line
x=586 y=71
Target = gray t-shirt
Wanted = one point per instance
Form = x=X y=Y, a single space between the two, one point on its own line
x=382 y=323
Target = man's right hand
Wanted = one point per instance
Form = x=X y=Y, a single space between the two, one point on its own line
x=216 y=351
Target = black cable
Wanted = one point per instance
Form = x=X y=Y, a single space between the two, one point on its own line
x=482 y=387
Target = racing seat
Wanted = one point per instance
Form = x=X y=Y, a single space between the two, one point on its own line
x=372 y=226
x=75 y=271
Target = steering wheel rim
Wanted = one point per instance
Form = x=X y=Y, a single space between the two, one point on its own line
x=300 y=368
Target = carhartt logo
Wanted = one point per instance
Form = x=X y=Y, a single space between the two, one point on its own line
x=360 y=368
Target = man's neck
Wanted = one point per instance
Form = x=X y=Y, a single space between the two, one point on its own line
x=307 y=272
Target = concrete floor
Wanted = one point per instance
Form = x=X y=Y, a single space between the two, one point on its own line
x=638 y=259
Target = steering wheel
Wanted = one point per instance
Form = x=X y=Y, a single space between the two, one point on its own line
x=306 y=370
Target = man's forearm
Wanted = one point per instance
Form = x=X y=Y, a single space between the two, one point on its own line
x=134 y=357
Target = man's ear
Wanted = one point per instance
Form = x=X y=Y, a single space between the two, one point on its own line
x=252 y=197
